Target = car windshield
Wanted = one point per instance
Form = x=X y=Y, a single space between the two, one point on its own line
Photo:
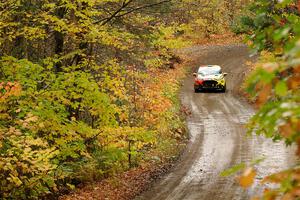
x=206 y=72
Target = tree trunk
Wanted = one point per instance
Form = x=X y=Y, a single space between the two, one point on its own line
x=59 y=40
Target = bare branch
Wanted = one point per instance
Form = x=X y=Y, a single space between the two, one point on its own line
x=143 y=7
x=123 y=6
x=118 y=13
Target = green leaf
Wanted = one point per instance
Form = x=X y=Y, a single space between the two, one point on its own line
x=233 y=170
x=281 y=89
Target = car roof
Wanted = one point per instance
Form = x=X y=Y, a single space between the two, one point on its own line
x=209 y=67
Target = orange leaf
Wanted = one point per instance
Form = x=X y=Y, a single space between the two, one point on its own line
x=247 y=178
x=270 y=194
x=286 y=130
x=264 y=95
x=296 y=191
x=288 y=197
x=298 y=125
x=276 y=178
x=294 y=82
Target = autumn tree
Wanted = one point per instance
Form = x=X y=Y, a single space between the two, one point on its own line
x=87 y=87
x=273 y=28
x=71 y=75
x=209 y=17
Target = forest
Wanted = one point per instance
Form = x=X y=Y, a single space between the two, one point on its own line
x=87 y=87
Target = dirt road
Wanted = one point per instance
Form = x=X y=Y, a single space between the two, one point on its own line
x=218 y=141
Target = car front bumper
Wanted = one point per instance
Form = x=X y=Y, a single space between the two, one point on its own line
x=210 y=84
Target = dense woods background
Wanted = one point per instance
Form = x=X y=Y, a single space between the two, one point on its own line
x=89 y=89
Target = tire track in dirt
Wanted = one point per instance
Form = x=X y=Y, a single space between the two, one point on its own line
x=218 y=137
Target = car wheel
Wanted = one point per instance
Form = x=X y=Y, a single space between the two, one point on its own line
x=223 y=89
x=196 y=90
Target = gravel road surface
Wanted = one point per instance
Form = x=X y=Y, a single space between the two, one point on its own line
x=218 y=136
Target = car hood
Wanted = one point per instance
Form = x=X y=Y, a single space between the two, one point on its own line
x=211 y=77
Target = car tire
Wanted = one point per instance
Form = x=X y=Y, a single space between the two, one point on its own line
x=196 y=90
x=223 y=89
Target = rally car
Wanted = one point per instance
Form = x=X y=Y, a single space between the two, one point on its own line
x=210 y=77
